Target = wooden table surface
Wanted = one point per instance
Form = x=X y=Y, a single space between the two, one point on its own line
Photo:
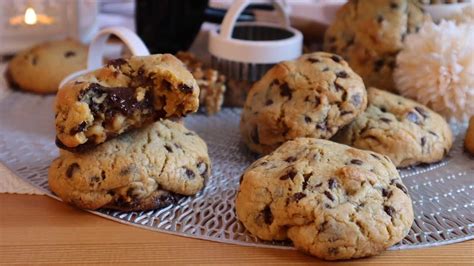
x=37 y=229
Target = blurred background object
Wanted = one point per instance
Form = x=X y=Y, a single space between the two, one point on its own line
x=24 y=23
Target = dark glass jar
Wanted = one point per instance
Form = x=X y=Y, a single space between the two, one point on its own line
x=169 y=26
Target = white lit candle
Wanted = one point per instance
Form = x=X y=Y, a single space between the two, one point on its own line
x=31 y=18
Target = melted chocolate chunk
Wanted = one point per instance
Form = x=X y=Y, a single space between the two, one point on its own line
x=93 y=180
x=298 y=196
x=79 y=128
x=290 y=175
x=117 y=62
x=378 y=64
x=285 y=91
x=393 y=5
x=267 y=215
x=322 y=126
x=274 y=82
x=185 y=88
x=122 y=100
x=269 y=102
x=389 y=210
x=336 y=58
x=399 y=186
x=343 y=113
x=125 y=170
x=375 y=156
x=313 y=60
x=117 y=100
x=189 y=173
x=69 y=54
x=329 y=195
x=380 y=19
x=422 y=112
x=356 y=161
x=305 y=181
x=386 y=193
x=342 y=74
x=168 y=148
x=307 y=119
x=332 y=183
x=338 y=87
x=71 y=168
x=392 y=64
x=290 y=159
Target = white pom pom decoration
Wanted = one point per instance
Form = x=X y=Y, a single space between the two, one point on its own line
x=436 y=68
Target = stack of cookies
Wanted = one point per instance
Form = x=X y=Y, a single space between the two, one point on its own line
x=119 y=149
x=332 y=200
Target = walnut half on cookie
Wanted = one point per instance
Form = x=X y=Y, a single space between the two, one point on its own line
x=124 y=94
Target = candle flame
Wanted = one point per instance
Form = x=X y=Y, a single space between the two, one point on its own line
x=30 y=16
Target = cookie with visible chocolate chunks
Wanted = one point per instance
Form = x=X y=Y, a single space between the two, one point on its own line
x=333 y=201
x=147 y=168
x=407 y=132
x=41 y=68
x=369 y=34
x=122 y=95
x=312 y=96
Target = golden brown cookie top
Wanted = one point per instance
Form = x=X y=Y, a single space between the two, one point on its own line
x=331 y=200
x=312 y=96
x=404 y=130
x=41 y=68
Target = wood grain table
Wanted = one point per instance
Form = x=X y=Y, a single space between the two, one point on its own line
x=37 y=229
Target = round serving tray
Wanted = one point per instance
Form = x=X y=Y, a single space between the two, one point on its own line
x=442 y=193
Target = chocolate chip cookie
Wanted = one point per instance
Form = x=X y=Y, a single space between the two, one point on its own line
x=406 y=131
x=41 y=68
x=369 y=34
x=333 y=201
x=144 y=169
x=312 y=96
x=124 y=94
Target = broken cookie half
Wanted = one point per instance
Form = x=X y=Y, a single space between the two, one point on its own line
x=122 y=95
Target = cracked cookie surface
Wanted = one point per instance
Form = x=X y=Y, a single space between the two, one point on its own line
x=124 y=94
x=407 y=132
x=333 y=201
x=369 y=34
x=312 y=96
x=145 y=169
